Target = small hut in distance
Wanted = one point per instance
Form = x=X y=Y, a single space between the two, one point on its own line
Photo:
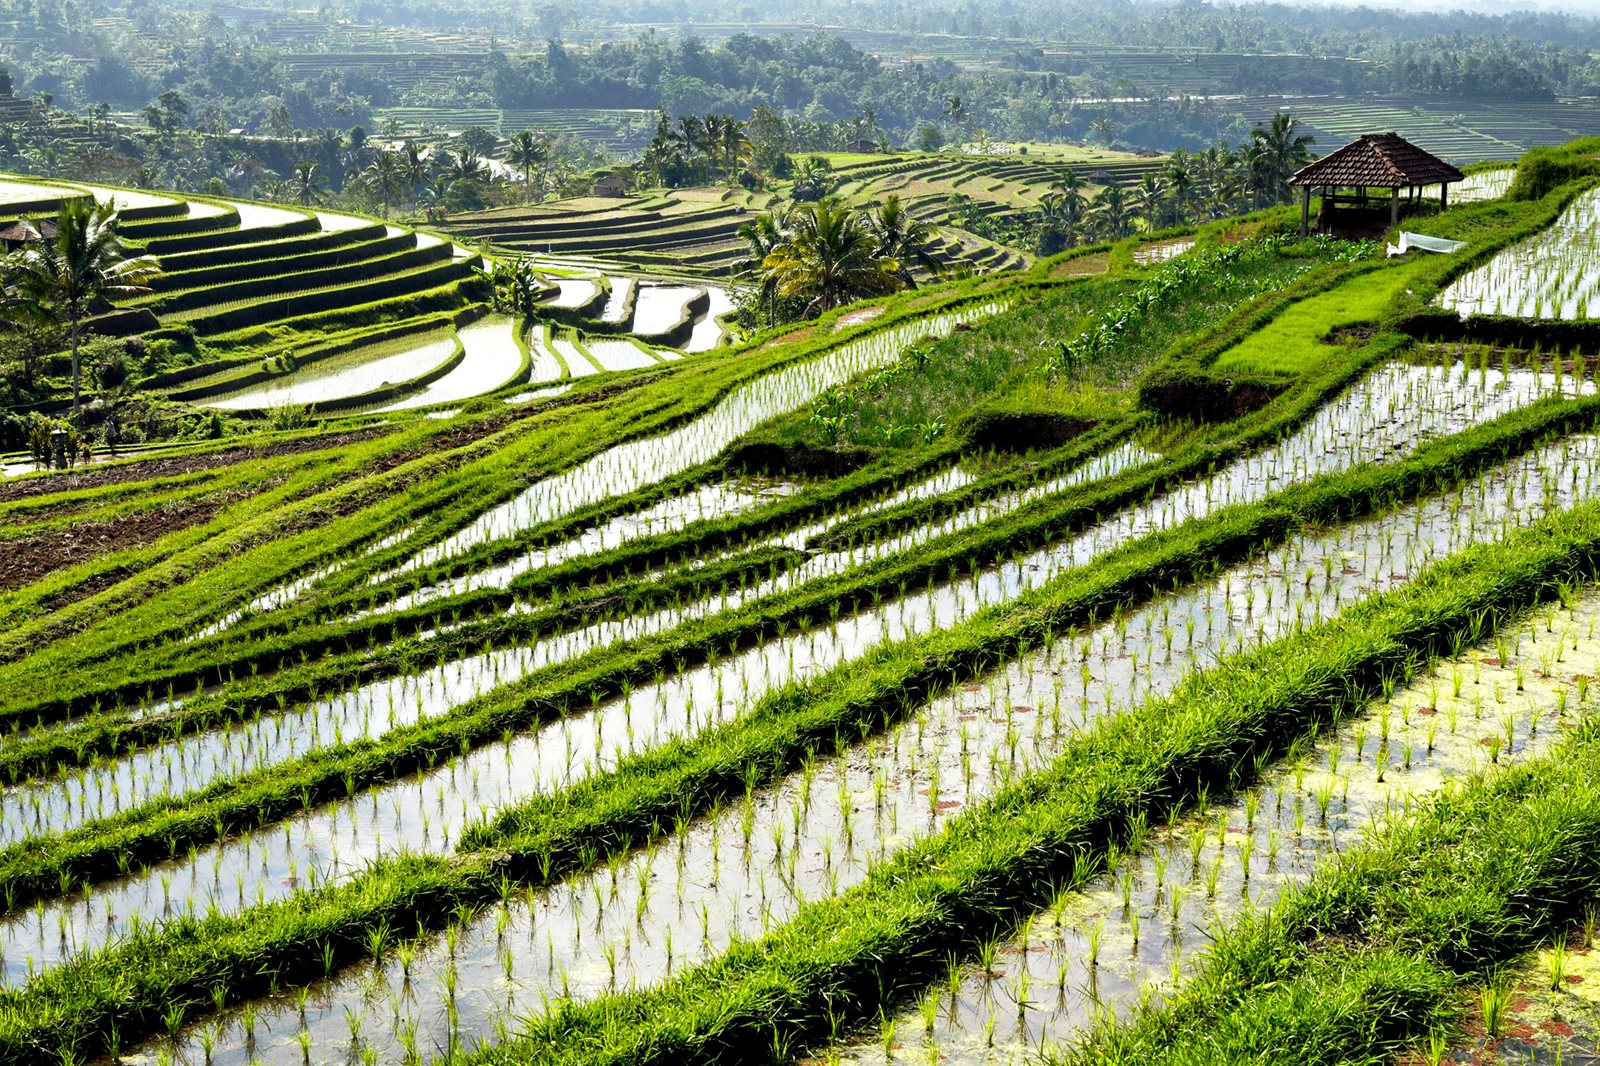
x=1348 y=176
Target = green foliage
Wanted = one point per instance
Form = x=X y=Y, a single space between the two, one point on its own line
x=1543 y=170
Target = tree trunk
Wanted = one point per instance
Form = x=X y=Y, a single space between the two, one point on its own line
x=74 y=336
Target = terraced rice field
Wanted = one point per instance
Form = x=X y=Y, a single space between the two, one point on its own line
x=695 y=231
x=578 y=728
x=1554 y=275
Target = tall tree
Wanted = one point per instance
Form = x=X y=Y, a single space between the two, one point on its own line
x=1276 y=151
x=762 y=238
x=1109 y=212
x=528 y=151
x=308 y=183
x=414 y=168
x=831 y=259
x=902 y=239
x=78 y=268
x=384 y=175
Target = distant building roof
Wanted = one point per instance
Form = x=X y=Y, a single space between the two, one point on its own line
x=1377 y=161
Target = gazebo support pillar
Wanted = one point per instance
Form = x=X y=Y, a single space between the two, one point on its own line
x=1394 y=207
x=1305 y=211
x=1444 y=195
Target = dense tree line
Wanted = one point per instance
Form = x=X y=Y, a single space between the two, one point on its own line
x=147 y=47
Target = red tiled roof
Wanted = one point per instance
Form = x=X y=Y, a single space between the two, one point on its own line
x=1377 y=161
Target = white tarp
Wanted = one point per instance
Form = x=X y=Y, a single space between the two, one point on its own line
x=1423 y=243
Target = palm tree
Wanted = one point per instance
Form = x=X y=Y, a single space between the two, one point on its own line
x=414 y=167
x=955 y=110
x=308 y=183
x=1061 y=216
x=692 y=139
x=813 y=180
x=733 y=145
x=761 y=238
x=78 y=268
x=384 y=174
x=1276 y=151
x=528 y=151
x=1148 y=200
x=902 y=239
x=1179 y=181
x=1110 y=212
x=465 y=165
x=830 y=259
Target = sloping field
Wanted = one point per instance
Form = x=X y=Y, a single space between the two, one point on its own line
x=917 y=683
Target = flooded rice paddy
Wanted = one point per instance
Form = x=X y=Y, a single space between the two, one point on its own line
x=742 y=870
x=1554 y=274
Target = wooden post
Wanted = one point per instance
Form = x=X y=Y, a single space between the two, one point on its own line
x=1394 y=207
x=1444 y=195
x=1305 y=211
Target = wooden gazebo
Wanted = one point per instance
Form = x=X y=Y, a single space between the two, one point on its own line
x=1373 y=161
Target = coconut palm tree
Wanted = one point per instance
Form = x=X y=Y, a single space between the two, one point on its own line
x=1276 y=151
x=308 y=183
x=902 y=239
x=1149 y=201
x=830 y=259
x=528 y=151
x=465 y=165
x=80 y=267
x=414 y=169
x=1179 y=181
x=1110 y=212
x=955 y=112
x=384 y=175
x=762 y=238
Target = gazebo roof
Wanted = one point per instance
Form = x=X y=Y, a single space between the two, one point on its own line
x=1377 y=161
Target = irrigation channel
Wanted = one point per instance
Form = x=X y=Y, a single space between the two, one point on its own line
x=740 y=871
x=635 y=464
x=1554 y=274
x=1386 y=415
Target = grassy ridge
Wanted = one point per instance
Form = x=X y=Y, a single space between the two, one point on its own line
x=553 y=835
x=436 y=493
x=1371 y=956
x=841 y=958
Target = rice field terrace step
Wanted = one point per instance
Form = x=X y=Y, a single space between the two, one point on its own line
x=194 y=243
x=312 y=305
x=251 y=246
x=339 y=253
x=557 y=225
x=403 y=256
x=188 y=224
x=608 y=232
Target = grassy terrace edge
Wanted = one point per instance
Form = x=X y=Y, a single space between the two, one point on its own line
x=155 y=830
x=1371 y=957
x=844 y=958
x=124 y=988
x=168 y=597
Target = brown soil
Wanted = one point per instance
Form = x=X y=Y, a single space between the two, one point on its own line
x=30 y=558
x=1351 y=336
x=855 y=318
x=798 y=459
x=1082 y=266
x=1027 y=432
